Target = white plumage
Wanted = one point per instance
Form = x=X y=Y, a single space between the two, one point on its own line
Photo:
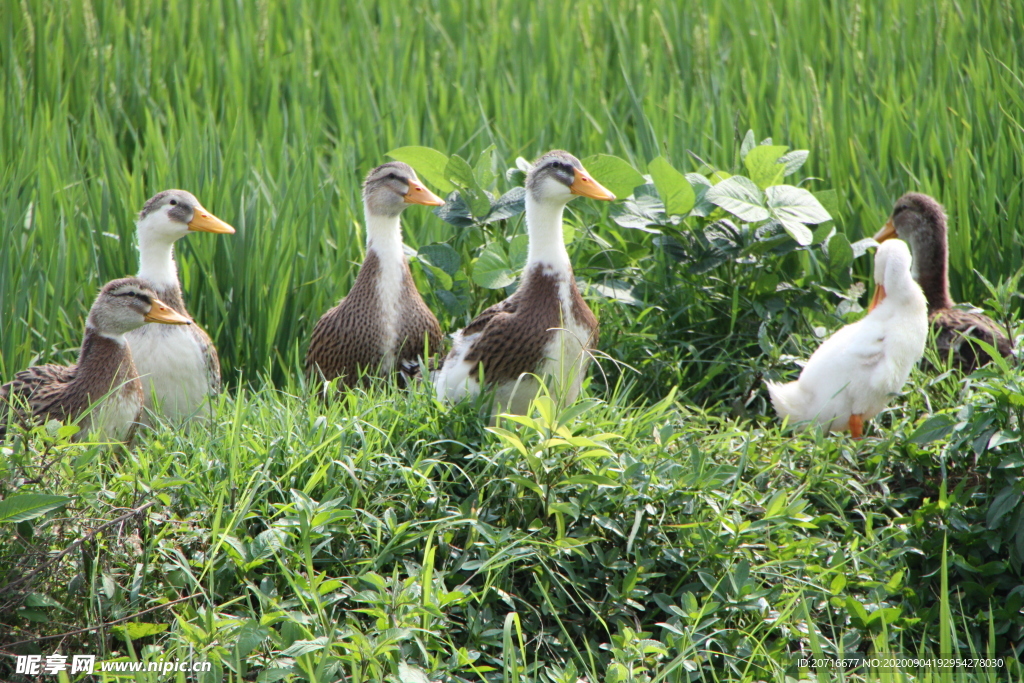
x=853 y=375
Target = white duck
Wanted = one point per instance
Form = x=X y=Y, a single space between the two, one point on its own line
x=545 y=328
x=856 y=371
x=179 y=366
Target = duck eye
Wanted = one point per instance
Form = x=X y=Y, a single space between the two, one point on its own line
x=393 y=176
x=174 y=202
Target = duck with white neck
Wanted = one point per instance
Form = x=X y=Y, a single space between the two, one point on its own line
x=382 y=325
x=854 y=374
x=179 y=366
x=545 y=329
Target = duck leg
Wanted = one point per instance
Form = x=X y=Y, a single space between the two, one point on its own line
x=856 y=426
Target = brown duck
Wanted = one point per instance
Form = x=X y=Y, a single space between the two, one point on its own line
x=383 y=325
x=104 y=377
x=545 y=328
x=920 y=221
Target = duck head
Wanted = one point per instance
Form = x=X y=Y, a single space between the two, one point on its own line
x=125 y=304
x=391 y=187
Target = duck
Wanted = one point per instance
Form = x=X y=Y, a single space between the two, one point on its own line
x=179 y=366
x=855 y=372
x=105 y=374
x=544 y=329
x=383 y=326
x=920 y=221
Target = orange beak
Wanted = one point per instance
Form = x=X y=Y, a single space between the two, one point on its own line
x=418 y=194
x=585 y=186
x=888 y=231
x=878 y=297
x=204 y=221
x=160 y=312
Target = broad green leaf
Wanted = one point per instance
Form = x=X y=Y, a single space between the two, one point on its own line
x=740 y=197
x=137 y=630
x=460 y=173
x=747 y=144
x=303 y=647
x=443 y=256
x=934 y=428
x=830 y=200
x=518 y=249
x=510 y=204
x=840 y=253
x=614 y=173
x=1004 y=502
x=798 y=231
x=789 y=203
x=25 y=506
x=793 y=161
x=455 y=212
x=428 y=163
x=411 y=674
x=675 y=190
x=762 y=164
x=248 y=637
x=492 y=270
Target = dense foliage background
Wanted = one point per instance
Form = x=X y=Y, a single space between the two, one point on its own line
x=670 y=530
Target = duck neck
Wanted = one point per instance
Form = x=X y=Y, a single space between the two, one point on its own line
x=384 y=237
x=156 y=261
x=547 y=245
x=931 y=270
x=102 y=355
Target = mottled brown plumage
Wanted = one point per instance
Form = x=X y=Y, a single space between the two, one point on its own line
x=350 y=338
x=105 y=371
x=383 y=325
x=920 y=221
x=515 y=333
x=545 y=328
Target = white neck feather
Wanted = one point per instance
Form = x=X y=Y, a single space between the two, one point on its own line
x=156 y=260
x=544 y=225
x=118 y=338
x=384 y=237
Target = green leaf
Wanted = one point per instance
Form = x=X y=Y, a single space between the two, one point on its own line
x=829 y=199
x=411 y=674
x=428 y=163
x=840 y=253
x=1004 y=502
x=492 y=270
x=136 y=630
x=518 y=250
x=747 y=144
x=740 y=197
x=675 y=190
x=614 y=173
x=510 y=204
x=762 y=164
x=248 y=637
x=25 y=506
x=443 y=256
x=793 y=161
x=460 y=173
x=789 y=203
x=934 y=428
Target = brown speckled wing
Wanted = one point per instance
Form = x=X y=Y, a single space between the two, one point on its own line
x=955 y=328
x=347 y=337
x=42 y=388
x=417 y=327
x=515 y=333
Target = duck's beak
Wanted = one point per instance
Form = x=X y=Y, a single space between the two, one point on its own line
x=418 y=194
x=204 y=221
x=878 y=297
x=160 y=312
x=585 y=186
x=888 y=231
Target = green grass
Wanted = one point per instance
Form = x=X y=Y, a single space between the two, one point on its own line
x=655 y=540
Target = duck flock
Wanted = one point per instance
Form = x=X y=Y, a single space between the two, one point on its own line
x=129 y=371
